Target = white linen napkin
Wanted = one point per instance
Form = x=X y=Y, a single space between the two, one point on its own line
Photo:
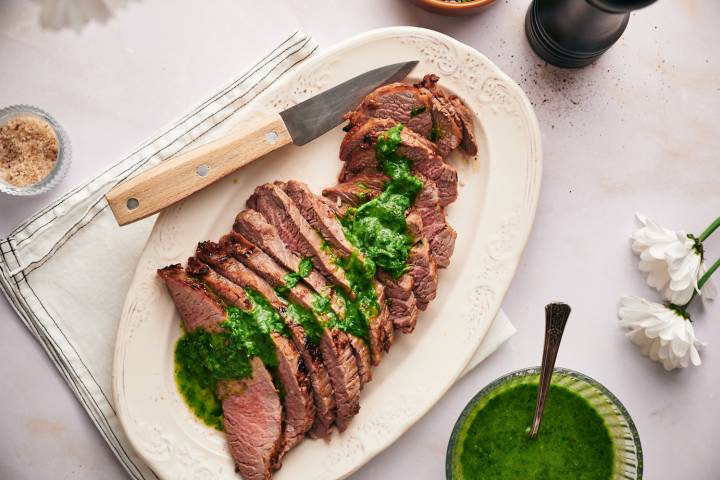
x=66 y=269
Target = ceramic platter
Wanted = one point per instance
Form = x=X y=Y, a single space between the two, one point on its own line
x=493 y=217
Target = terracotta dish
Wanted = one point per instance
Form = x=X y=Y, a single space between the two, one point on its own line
x=452 y=8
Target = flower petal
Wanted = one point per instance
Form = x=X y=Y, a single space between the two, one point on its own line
x=660 y=332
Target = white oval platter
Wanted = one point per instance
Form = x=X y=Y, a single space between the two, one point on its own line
x=493 y=217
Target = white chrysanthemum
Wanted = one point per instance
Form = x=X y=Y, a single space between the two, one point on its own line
x=662 y=333
x=672 y=261
x=57 y=14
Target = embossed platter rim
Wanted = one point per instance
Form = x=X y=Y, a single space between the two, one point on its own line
x=493 y=217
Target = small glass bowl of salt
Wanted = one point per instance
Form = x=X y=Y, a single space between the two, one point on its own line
x=34 y=151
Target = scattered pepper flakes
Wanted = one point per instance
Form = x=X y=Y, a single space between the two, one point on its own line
x=28 y=150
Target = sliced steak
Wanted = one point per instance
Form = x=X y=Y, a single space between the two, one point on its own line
x=361 y=137
x=402 y=305
x=448 y=133
x=232 y=293
x=339 y=358
x=362 y=355
x=322 y=218
x=252 y=414
x=439 y=234
x=383 y=319
x=252 y=417
x=198 y=308
x=468 y=144
x=436 y=230
x=238 y=273
x=360 y=156
x=253 y=226
x=354 y=193
x=337 y=353
x=279 y=210
x=400 y=102
x=401 y=300
x=422 y=266
x=297 y=401
x=319 y=215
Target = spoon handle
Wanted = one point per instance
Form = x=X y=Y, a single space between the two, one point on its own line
x=556 y=316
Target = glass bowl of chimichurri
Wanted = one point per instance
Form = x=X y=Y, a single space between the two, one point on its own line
x=586 y=433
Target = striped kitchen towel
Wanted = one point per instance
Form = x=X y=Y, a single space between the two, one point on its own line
x=73 y=246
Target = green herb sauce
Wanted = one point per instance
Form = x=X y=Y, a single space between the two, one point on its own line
x=313 y=328
x=202 y=359
x=436 y=134
x=267 y=318
x=417 y=111
x=198 y=395
x=291 y=279
x=378 y=227
x=360 y=274
x=574 y=441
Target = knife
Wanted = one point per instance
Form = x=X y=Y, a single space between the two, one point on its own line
x=185 y=174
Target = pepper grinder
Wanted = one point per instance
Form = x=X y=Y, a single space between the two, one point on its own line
x=573 y=33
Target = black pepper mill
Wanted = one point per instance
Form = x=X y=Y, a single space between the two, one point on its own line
x=573 y=33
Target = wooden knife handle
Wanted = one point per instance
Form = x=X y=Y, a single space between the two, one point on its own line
x=185 y=174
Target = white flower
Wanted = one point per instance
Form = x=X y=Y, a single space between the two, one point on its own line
x=662 y=334
x=672 y=260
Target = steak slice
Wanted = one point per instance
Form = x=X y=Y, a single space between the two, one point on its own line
x=252 y=417
x=436 y=230
x=360 y=189
x=468 y=143
x=359 y=154
x=400 y=102
x=323 y=219
x=198 y=308
x=337 y=353
x=363 y=360
x=402 y=305
x=361 y=137
x=238 y=273
x=439 y=234
x=401 y=300
x=447 y=133
x=447 y=122
x=252 y=226
x=422 y=266
x=297 y=401
x=319 y=215
x=279 y=210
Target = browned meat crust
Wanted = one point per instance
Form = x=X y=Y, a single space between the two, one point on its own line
x=297 y=401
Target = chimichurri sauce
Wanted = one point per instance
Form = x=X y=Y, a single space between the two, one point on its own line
x=378 y=227
x=360 y=310
x=199 y=396
x=306 y=319
x=291 y=279
x=574 y=441
x=202 y=359
x=266 y=317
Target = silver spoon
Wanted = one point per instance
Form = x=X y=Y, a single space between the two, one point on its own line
x=556 y=316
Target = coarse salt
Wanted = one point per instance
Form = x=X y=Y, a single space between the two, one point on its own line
x=28 y=150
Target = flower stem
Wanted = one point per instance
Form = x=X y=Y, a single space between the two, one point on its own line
x=706 y=276
x=709 y=230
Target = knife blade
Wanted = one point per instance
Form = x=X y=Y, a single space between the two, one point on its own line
x=185 y=174
x=309 y=119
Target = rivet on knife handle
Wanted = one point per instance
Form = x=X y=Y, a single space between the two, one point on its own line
x=184 y=174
